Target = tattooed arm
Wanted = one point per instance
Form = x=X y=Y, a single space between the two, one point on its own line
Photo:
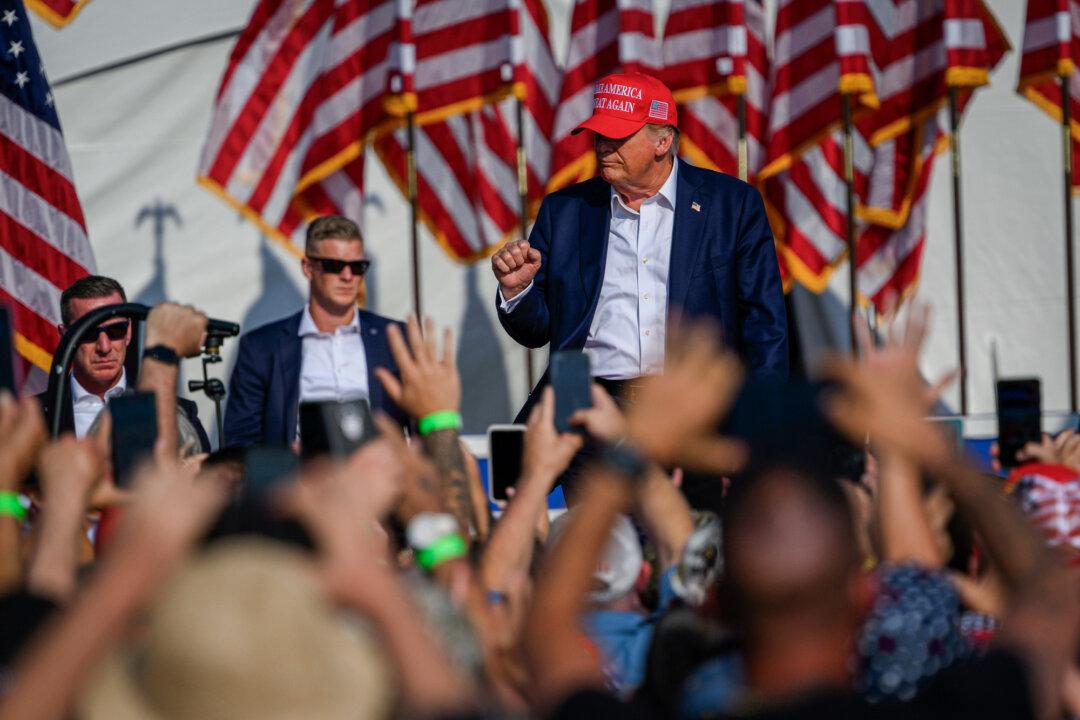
x=429 y=384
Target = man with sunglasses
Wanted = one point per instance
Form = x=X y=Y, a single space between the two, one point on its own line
x=327 y=351
x=97 y=372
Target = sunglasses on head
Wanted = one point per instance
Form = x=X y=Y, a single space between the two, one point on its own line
x=335 y=266
x=113 y=331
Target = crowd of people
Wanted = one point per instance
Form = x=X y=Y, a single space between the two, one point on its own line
x=381 y=584
x=737 y=545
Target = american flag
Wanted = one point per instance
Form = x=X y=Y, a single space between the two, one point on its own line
x=57 y=12
x=713 y=52
x=306 y=86
x=466 y=164
x=465 y=55
x=606 y=36
x=1052 y=50
x=907 y=56
x=43 y=243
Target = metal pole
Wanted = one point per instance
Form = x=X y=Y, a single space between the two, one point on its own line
x=849 y=182
x=523 y=194
x=1070 y=260
x=958 y=242
x=742 y=151
x=410 y=172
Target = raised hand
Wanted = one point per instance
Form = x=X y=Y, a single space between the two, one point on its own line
x=515 y=266
x=180 y=327
x=429 y=382
x=22 y=433
x=547 y=451
x=885 y=397
x=604 y=420
x=675 y=417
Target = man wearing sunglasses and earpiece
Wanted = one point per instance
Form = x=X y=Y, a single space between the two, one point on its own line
x=97 y=372
x=326 y=351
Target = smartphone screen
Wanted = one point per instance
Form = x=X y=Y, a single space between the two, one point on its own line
x=572 y=380
x=1019 y=413
x=134 y=432
x=7 y=353
x=506 y=443
x=329 y=427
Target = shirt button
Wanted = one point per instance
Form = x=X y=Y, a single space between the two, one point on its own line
x=644 y=261
x=648 y=333
x=645 y=296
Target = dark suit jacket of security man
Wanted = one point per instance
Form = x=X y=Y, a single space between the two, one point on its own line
x=264 y=390
x=723 y=266
x=67 y=416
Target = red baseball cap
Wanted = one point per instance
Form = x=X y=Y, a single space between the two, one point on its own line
x=624 y=103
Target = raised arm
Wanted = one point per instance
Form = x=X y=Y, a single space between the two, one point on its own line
x=22 y=433
x=182 y=329
x=1043 y=622
x=521 y=269
x=170 y=508
x=547 y=453
x=430 y=389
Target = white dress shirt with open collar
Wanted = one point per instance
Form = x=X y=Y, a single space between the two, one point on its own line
x=627 y=332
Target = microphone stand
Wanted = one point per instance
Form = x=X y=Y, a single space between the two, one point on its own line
x=213 y=387
x=216 y=331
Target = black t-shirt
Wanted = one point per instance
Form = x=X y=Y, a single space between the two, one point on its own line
x=993 y=686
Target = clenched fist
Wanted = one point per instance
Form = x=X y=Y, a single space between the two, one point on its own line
x=515 y=267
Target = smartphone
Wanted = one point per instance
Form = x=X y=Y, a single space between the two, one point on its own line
x=1019 y=416
x=266 y=469
x=7 y=352
x=506 y=443
x=335 y=428
x=572 y=379
x=134 y=432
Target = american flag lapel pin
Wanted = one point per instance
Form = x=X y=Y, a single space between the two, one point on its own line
x=696 y=207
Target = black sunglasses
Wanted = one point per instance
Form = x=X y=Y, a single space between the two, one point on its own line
x=335 y=266
x=114 y=331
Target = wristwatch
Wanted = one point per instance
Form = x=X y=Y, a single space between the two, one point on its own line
x=623 y=458
x=163 y=354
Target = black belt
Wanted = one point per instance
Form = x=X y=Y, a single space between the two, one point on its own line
x=624 y=391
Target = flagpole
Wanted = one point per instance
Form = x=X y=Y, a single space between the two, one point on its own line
x=958 y=243
x=523 y=194
x=740 y=105
x=410 y=172
x=849 y=182
x=1070 y=260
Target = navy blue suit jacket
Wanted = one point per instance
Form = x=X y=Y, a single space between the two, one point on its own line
x=723 y=265
x=264 y=390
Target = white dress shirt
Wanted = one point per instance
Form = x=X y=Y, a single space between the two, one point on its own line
x=626 y=336
x=86 y=405
x=333 y=366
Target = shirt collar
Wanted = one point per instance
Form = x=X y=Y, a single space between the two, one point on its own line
x=307 y=324
x=78 y=392
x=667 y=190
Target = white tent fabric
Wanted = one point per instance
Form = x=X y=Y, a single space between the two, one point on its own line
x=134 y=86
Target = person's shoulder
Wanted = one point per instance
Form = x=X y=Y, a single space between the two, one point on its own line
x=589 y=190
x=714 y=181
x=271 y=329
x=371 y=319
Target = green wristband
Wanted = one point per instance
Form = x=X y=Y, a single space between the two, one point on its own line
x=448 y=547
x=10 y=506
x=441 y=420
